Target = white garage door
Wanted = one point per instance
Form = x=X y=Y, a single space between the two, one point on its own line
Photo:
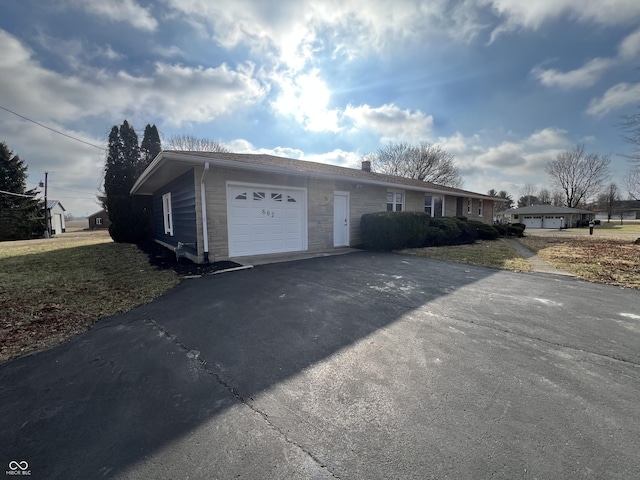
x=534 y=221
x=552 y=221
x=265 y=219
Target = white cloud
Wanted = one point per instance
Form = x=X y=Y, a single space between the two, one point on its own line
x=167 y=52
x=630 y=47
x=175 y=93
x=505 y=165
x=241 y=145
x=306 y=97
x=293 y=32
x=548 y=137
x=390 y=122
x=75 y=52
x=585 y=76
x=532 y=14
x=616 y=97
x=75 y=169
x=335 y=157
x=120 y=11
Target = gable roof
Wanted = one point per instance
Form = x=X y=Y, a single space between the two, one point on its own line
x=544 y=209
x=178 y=162
x=53 y=203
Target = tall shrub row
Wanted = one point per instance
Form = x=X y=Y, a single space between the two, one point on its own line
x=396 y=230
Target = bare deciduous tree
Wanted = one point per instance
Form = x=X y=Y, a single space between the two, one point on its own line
x=544 y=196
x=528 y=195
x=557 y=198
x=608 y=199
x=632 y=182
x=631 y=126
x=578 y=174
x=426 y=162
x=190 y=143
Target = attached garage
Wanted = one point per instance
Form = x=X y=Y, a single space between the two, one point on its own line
x=553 y=221
x=532 y=221
x=265 y=219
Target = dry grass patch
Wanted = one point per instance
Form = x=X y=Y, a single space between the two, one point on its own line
x=610 y=228
x=612 y=260
x=486 y=253
x=52 y=289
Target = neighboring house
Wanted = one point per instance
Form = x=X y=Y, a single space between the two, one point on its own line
x=548 y=216
x=56 y=217
x=99 y=220
x=629 y=209
x=224 y=205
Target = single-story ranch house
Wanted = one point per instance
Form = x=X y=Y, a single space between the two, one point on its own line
x=216 y=206
x=548 y=216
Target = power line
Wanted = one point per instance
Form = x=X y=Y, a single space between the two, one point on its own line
x=52 y=129
x=18 y=194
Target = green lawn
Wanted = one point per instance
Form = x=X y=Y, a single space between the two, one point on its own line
x=487 y=253
x=54 y=288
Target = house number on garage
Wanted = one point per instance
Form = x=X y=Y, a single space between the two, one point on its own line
x=268 y=213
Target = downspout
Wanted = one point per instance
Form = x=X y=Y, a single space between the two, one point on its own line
x=203 y=201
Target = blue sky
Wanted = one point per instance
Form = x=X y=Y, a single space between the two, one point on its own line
x=503 y=85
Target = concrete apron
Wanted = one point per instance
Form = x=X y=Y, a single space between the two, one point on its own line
x=289 y=256
x=537 y=264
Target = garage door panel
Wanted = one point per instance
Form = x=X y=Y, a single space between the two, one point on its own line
x=265 y=219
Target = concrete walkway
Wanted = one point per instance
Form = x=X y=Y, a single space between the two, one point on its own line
x=537 y=263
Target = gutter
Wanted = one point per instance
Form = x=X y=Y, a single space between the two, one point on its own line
x=203 y=202
x=257 y=167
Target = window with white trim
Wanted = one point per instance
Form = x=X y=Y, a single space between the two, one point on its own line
x=468 y=206
x=395 y=201
x=428 y=205
x=433 y=205
x=98 y=220
x=167 y=217
x=480 y=207
x=438 y=205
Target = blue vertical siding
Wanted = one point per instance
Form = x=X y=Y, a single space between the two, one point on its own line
x=183 y=208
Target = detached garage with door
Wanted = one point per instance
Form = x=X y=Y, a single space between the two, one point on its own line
x=216 y=206
x=548 y=216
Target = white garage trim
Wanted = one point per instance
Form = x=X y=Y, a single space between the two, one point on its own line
x=553 y=221
x=263 y=219
x=532 y=221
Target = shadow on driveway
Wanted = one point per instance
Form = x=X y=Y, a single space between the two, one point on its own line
x=357 y=366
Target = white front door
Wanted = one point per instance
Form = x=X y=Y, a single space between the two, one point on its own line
x=265 y=219
x=341 y=219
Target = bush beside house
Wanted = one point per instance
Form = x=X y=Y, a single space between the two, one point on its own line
x=398 y=230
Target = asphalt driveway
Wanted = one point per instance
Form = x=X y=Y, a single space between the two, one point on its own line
x=362 y=366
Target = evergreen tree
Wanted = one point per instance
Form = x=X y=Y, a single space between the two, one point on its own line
x=130 y=216
x=150 y=147
x=21 y=216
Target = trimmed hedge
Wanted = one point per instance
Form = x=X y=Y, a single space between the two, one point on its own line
x=394 y=230
x=397 y=230
x=511 y=230
x=485 y=232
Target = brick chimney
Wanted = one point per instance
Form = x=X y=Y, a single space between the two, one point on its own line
x=366 y=165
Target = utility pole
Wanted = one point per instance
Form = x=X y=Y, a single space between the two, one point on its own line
x=47 y=231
